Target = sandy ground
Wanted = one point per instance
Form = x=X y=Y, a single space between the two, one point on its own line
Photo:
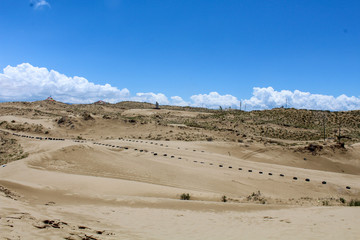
x=136 y=221
x=130 y=189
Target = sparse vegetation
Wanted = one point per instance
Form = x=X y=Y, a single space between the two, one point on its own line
x=209 y=139
x=224 y=199
x=22 y=127
x=86 y=116
x=185 y=196
x=354 y=203
x=275 y=124
x=10 y=150
x=257 y=197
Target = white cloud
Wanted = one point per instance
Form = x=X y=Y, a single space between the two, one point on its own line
x=178 y=101
x=214 y=100
x=151 y=97
x=28 y=83
x=266 y=98
x=38 y=4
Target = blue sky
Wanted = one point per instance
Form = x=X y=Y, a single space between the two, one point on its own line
x=187 y=48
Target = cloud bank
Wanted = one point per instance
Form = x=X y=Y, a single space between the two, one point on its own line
x=267 y=98
x=38 y=4
x=28 y=83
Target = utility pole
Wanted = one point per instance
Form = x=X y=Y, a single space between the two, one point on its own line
x=240 y=105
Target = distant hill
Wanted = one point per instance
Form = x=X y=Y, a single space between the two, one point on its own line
x=233 y=125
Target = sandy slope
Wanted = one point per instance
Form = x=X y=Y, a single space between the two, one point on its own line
x=179 y=222
x=105 y=192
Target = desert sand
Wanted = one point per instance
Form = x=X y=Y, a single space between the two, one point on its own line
x=118 y=172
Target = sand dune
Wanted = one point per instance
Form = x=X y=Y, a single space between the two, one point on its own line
x=130 y=188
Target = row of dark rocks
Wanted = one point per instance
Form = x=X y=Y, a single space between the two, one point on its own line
x=270 y=173
x=39 y=138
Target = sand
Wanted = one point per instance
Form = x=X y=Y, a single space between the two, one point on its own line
x=119 y=189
